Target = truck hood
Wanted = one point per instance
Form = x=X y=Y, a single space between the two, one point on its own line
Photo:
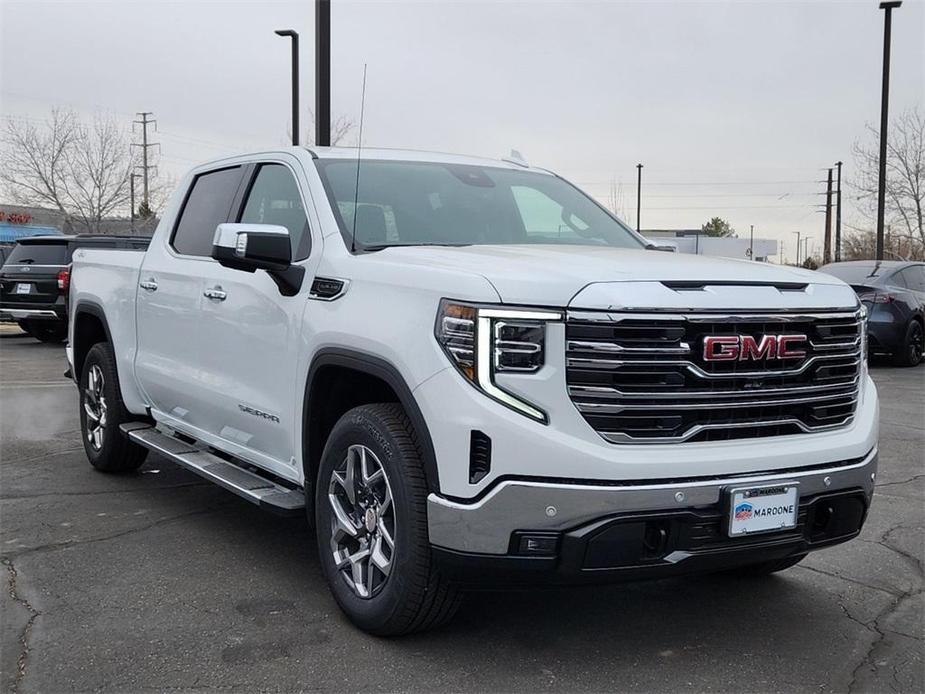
x=611 y=278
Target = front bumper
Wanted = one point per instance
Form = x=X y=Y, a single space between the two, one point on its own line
x=487 y=526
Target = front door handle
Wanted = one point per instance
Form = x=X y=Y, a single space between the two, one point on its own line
x=149 y=285
x=216 y=293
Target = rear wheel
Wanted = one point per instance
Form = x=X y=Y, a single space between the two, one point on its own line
x=102 y=412
x=911 y=350
x=47 y=331
x=371 y=525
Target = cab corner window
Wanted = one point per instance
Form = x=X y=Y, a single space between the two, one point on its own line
x=207 y=205
x=274 y=199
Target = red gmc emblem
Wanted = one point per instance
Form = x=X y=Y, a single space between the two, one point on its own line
x=746 y=347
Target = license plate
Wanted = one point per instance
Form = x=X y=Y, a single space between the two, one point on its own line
x=23 y=288
x=763 y=509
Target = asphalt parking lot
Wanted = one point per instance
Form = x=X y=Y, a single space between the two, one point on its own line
x=160 y=581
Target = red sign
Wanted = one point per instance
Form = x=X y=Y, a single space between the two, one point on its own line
x=15 y=217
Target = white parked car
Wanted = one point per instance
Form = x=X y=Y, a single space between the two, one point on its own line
x=468 y=370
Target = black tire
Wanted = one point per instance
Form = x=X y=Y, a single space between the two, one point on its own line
x=108 y=449
x=25 y=327
x=765 y=568
x=913 y=346
x=48 y=331
x=414 y=596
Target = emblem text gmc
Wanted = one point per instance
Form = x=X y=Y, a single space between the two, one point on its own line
x=747 y=348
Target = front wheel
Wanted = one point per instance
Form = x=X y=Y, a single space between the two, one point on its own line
x=102 y=412
x=911 y=350
x=371 y=525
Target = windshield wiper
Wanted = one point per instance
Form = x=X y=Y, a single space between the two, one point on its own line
x=383 y=246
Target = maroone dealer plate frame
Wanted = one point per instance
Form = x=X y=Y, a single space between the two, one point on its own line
x=758 y=499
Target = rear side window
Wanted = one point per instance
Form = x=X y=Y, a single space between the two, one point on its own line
x=274 y=199
x=914 y=277
x=39 y=254
x=207 y=206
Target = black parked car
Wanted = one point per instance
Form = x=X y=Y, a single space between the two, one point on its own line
x=35 y=277
x=894 y=294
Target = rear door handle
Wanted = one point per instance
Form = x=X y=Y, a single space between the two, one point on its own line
x=149 y=285
x=216 y=293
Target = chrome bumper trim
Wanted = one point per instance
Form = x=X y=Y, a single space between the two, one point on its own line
x=485 y=526
x=28 y=313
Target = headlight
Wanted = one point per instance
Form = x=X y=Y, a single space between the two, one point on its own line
x=482 y=341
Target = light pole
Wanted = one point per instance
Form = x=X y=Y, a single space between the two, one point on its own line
x=751 y=242
x=884 y=108
x=638 y=197
x=323 y=73
x=838 y=165
x=294 y=35
x=798 y=245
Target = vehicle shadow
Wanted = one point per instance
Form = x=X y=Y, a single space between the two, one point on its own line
x=579 y=632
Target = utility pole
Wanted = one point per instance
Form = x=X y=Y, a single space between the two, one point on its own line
x=145 y=145
x=827 y=244
x=323 y=73
x=751 y=242
x=798 y=245
x=838 y=215
x=131 y=177
x=638 y=197
x=884 y=108
x=294 y=76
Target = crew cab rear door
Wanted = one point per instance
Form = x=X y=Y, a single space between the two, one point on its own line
x=168 y=364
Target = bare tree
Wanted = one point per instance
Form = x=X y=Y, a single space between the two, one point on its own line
x=341 y=127
x=905 y=177
x=861 y=244
x=81 y=169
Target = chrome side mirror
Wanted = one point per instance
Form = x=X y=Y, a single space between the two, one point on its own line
x=252 y=247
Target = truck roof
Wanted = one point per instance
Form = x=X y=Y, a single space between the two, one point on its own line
x=415 y=155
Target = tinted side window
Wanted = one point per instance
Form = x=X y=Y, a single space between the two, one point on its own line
x=897 y=279
x=915 y=277
x=207 y=206
x=274 y=199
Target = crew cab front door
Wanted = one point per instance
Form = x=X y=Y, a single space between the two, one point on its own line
x=249 y=333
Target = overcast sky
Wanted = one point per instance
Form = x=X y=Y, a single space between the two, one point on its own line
x=734 y=108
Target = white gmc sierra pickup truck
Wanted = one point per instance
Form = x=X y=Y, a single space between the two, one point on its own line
x=466 y=370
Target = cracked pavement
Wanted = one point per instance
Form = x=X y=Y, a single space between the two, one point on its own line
x=159 y=581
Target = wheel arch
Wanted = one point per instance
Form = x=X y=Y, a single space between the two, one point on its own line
x=380 y=378
x=90 y=327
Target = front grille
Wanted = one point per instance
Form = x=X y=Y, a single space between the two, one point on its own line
x=643 y=379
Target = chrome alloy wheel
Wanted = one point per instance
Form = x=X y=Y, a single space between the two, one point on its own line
x=95 y=407
x=363 y=521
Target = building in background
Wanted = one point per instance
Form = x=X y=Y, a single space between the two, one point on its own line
x=17 y=221
x=695 y=242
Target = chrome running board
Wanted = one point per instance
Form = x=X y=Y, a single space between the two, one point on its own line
x=266 y=493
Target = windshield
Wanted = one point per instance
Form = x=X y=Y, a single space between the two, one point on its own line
x=404 y=203
x=38 y=254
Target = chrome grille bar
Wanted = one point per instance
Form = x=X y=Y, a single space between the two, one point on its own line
x=638 y=377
